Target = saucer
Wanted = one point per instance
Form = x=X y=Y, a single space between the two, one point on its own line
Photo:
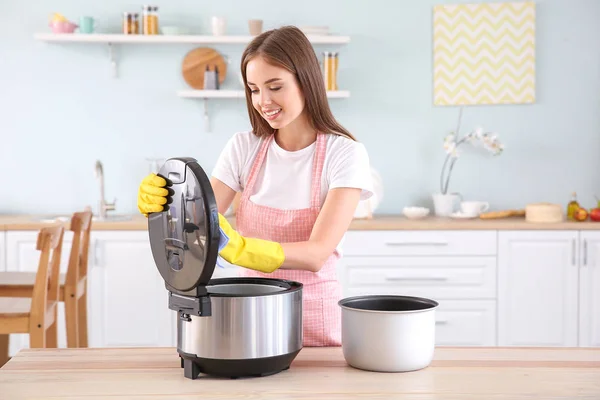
x=460 y=215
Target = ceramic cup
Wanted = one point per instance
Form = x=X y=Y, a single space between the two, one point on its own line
x=255 y=26
x=87 y=24
x=474 y=207
x=445 y=204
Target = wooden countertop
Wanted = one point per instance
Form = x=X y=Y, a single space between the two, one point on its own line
x=317 y=373
x=378 y=222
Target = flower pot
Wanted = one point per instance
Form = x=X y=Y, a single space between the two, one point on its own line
x=445 y=204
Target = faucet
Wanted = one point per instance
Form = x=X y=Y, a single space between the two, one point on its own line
x=103 y=206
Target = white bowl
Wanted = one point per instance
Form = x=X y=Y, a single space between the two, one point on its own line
x=415 y=212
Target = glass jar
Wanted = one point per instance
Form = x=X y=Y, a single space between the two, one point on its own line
x=131 y=24
x=330 y=68
x=334 y=70
x=150 y=20
x=326 y=69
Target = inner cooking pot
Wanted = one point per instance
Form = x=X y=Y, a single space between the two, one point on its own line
x=388 y=333
x=388 y=303
x=241 y=287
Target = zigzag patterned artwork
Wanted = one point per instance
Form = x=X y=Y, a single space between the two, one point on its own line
x=484 y=53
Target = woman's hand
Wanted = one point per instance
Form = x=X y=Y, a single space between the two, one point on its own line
x=152 y=195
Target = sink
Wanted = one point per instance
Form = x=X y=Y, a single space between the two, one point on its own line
x=110 y=218
x=54 y=218
x=66 y=218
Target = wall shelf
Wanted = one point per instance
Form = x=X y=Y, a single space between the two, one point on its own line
x=235 y=94
x=111 y=39
x=108 y=38
x=231 y=94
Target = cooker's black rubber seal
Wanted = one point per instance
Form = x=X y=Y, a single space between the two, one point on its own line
x=388 y=303
x=289 y=286
x=239 y=368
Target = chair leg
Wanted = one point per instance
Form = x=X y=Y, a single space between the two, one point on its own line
x=82 y=323
x=71 y=316
x=52 y=335
x=37 y=337
x=4 y=349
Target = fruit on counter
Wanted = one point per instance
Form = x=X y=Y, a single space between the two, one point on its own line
x=572 y=207
x=595 y=213
x=581 y=214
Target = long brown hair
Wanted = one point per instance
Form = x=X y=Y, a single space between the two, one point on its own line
x=289 y=48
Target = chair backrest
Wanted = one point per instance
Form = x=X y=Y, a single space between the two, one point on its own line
x=46 y=287
x=81 y=225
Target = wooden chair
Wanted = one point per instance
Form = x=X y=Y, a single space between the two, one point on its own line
x=73 y=284
x=74 y=290
x=37 y=315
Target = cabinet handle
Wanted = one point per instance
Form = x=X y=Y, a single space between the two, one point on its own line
x=416 y=278
x=584 y=251
x=416 y=243
x=573 y=252
x=441 y=322
x=96 y=261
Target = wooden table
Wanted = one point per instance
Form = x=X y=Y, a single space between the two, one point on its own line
x=317 y=373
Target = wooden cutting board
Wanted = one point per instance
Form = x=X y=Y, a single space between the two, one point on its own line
x=502 y=214
x=195 y=63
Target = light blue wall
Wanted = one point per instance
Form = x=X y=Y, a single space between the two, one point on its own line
x=61 y=109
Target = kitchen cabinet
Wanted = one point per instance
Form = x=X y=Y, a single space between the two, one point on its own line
x=2 y=251
x=589 y=289
x=495 y=287
x=548 y=285
x=456 y=268
x=128 y=301
x=537 y=288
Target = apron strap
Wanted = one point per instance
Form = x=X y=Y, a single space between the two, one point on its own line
x=317 y=171
x=262 y=153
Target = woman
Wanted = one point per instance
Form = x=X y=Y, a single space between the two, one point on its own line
x=301 y=175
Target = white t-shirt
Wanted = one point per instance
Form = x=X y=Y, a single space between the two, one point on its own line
x=284 y=180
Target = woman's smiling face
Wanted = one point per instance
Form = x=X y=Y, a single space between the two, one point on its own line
x=276 y=94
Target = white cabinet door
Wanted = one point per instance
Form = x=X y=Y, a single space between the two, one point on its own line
x=21 y=255
x=465 y=323
x=538 y=274
x=128 y=302
x=589 y=289
x=2 y=251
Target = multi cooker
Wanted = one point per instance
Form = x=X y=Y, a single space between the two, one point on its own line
x=233 y=327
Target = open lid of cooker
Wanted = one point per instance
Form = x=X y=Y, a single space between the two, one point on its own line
x=184 y=237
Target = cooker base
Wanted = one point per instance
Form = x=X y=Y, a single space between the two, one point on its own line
x=252 y=368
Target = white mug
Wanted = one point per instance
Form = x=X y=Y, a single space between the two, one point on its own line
x=218 y=26
x=474 y=207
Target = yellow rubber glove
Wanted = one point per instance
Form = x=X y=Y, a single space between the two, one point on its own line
x=257 y=254
x=152 y=195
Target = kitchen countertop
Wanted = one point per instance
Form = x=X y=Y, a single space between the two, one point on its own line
x=378 y=222
x=155 y=373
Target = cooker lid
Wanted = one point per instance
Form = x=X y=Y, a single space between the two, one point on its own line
x=185 y=236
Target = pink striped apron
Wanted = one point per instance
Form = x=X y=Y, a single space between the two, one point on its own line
x=321 y=316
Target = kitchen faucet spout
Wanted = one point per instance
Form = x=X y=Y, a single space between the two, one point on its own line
x=103 y=205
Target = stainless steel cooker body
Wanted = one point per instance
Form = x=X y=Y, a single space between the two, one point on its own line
x=254 y=328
